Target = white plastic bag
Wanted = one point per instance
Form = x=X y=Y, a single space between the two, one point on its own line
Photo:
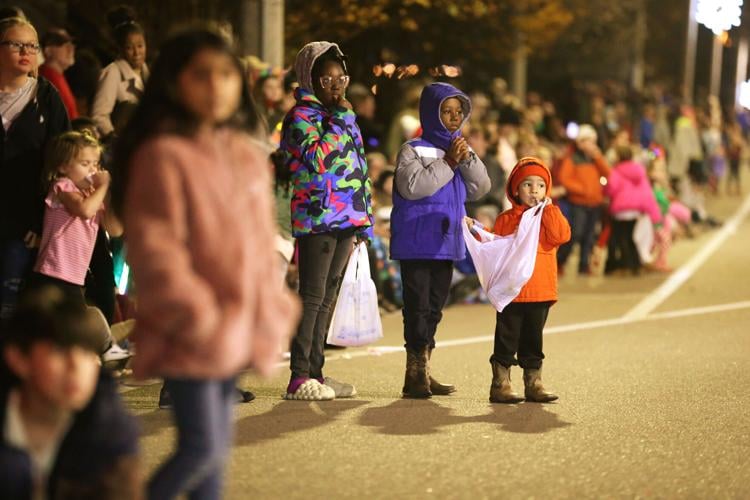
x=505 y=263
x=643 y=237
x=356 y=317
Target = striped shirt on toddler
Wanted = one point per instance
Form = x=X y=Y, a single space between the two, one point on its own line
x=67 y=240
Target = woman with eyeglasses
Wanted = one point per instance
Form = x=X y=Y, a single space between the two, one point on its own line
x=330 y=206
x=32 y=114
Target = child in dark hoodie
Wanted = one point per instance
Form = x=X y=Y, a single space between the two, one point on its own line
x=435 y=175
x=65 y=432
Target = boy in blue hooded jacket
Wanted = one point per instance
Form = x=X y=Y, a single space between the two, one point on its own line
x=435 y=175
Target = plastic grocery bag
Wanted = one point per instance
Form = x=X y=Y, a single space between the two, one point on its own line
x=643 y=237
x=505 y=263
x=356 y=317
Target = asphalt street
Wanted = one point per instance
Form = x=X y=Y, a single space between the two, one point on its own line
x=652 y=372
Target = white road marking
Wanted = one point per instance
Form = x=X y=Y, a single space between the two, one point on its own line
x=575 y=327
x=641 y=312
x=681 y=275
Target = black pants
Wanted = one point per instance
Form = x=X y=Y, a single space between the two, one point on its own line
x=100 y=280
x=322 y=261
x=72 y=292
x=427 y=284
x=519 y=330
x=621 y=250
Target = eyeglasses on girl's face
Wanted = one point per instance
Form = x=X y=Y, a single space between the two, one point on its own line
x=327 y=82
x=29 y=48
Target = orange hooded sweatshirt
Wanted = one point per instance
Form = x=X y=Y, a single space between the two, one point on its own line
x=555 y=230
x=580 y=176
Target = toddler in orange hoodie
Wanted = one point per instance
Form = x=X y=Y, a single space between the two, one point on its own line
x=519 y=327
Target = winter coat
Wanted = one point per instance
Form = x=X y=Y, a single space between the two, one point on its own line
x=22 y=159
x=684 y=148
x=326 y=157
x=555 y=230
x=580 y=176
x=201 y=237
x=97 y=458
x=118 y=84
x=629 y=189
x=61 y=84
x=429 y=194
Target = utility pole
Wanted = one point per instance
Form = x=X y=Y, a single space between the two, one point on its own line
x=716 y=58
x=520 y=68
x=261 y=30
x=637 y=76
x=691 y=40
x=273 y=32
x=741 y=74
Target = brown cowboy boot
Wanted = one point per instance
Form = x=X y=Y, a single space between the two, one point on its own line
x=416 y=379
x=436 y=387
x=501 y=391
x=534 y=390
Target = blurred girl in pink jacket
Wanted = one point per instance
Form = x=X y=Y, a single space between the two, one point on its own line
x=195 y=194
x=630 y=195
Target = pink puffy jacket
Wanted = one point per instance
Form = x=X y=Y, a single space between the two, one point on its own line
x=628 y=189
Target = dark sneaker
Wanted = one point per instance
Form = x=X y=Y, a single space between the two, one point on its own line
x=165 y=399
x=244 y=396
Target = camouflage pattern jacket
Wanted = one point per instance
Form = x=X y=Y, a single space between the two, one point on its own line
x=324 y=152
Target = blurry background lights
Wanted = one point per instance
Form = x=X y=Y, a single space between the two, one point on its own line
x=572 y=130
x=718 y=15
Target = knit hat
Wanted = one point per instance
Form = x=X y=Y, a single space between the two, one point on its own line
x=306 y=58
x=525 y=167
x=585 y=132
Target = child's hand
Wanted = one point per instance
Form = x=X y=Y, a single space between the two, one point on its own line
x=101 y=178
x=454 y=151
x=463 y=149
x=591 y=149
x=344 y=103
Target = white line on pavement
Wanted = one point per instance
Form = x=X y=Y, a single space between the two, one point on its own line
x=381 y=350
x=694 y=311
x=680 y=276
x=641 y=312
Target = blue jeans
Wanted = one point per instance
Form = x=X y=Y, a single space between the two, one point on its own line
x=582 y=228
x=16 y=261
x=203 y=415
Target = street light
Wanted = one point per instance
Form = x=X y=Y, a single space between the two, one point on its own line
x=719 y=16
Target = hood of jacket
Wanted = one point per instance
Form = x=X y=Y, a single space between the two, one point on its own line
x=526 y=166
x=631 y=171
x=306 y=58
x=433 y=130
